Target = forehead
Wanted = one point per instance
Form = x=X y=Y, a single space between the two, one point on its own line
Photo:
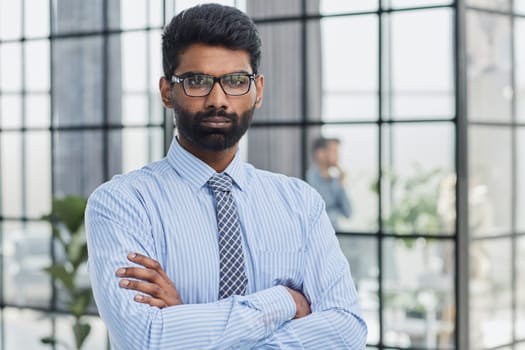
x=213 y=60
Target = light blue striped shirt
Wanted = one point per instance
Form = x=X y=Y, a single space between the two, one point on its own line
x=166 y=211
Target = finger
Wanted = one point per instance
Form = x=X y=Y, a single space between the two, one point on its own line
x=143 y=260
x=146 y=262
x=144 y=299
x=144 y=287
x=141 y=274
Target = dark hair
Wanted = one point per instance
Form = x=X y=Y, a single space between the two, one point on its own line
x=210 y=24
x=322 y=142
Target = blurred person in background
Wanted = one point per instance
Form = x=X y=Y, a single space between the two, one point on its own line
x=327 y=177
x=201 y=250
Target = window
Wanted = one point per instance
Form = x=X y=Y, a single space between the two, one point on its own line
x=79 y=104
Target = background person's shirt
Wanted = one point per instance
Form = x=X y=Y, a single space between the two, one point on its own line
x=333 y=193
x=166 y=211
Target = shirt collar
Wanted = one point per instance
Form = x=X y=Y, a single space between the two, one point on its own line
x=197 y=173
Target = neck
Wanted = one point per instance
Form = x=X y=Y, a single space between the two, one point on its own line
x=323 y=169
x=218 y=160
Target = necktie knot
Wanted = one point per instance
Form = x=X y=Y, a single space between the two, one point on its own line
x=220 y=183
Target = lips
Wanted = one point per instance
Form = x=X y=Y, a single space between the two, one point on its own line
x=216 y=122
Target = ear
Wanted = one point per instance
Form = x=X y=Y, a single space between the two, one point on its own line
x=259 y=88
x=165 y=92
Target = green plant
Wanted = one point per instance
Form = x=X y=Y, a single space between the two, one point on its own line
x=67 y=222
x=414 y=203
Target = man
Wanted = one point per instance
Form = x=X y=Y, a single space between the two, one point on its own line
x=327 y=177
x=178 y=258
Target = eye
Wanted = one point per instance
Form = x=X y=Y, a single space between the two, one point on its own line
x=198 y=81
x=235 y=80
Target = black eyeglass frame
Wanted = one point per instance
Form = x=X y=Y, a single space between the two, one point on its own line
x=179 y=79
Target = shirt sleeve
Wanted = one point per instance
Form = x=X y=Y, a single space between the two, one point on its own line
x=116 y=225
x=344 y=203
x=335 y=321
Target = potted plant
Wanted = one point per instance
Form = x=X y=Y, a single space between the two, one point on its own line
x=67 y=222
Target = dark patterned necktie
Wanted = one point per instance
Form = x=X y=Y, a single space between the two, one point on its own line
x=232 y=275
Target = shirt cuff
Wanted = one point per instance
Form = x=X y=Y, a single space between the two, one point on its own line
x=276 y=304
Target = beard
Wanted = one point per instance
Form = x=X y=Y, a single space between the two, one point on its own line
x=189 y=126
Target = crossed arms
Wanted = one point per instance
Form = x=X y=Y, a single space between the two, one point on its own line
x=142 y=307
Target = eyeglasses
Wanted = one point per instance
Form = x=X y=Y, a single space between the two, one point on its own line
x=200 y=85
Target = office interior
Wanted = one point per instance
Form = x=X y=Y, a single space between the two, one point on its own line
x=427 y=98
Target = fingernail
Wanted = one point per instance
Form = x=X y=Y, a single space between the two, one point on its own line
x=124 y=283
x=121 y=271
x=138 y=297
x=132 y=255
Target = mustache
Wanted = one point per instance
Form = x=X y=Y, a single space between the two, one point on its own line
x=200 y=116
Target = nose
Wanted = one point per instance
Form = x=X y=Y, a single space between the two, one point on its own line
x=217 y=98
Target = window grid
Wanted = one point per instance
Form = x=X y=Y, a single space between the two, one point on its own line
x=304 y=124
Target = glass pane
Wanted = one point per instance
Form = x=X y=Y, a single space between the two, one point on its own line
x=135 y=109
x=413 y=3
x=38 y=173
x=520 y=288
x=418 y=83
x=78 y=162
x=10 y=111
x=519 y=6
x=134 y=61
x=133 y=14
x=273 y=8
x=10 y=19
x=137 y=77
x=11 y=170
x=155 y=58
x=11 y=67
x=349 y=72
x=96 y=338
x=173 y=7
x=77 y=79
x=357 y=161
x=490 y=186
x=37 y=110
x=139 y=146
x=520 y=179
x=419 y=304
x=77 y=16
x=327 y=7
x=25 y=328
x=36 y=18
x=274 y=149
x=362 y=255
x=502 y=5
x=519 y=49
x=155 y=13
x=281 y=65
x=489 y=67
x=26 y=253
x=418 y=184
x=114 y=79
x=490 y=293
x=37 y=65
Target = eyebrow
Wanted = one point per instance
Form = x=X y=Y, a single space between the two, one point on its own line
x=185 y=74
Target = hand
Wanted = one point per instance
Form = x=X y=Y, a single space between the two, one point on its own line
x=342 y=174
x=301 y=304
x=152 y=280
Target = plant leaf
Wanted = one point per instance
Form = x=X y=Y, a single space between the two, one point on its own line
x=70 y=211
x=60 y=273
x=48 y=340
x=81 y=331
x=80 y=302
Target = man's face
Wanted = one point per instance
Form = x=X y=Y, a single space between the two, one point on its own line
x=332 y=153
x=202 y=131
x=216 y=121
